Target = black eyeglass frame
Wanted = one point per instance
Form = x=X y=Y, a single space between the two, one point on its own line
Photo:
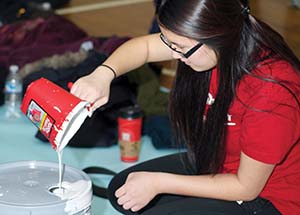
x=187 y=54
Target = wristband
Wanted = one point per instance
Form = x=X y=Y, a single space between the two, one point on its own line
x=111 y=69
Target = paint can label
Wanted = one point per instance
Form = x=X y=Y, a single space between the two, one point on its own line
x=40 y=118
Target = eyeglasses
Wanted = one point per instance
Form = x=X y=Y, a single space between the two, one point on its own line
x=187 y=54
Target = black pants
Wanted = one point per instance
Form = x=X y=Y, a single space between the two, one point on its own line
x=166 y=204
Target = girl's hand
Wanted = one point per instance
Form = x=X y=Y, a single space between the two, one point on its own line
x=95 y=87
x=139 y=189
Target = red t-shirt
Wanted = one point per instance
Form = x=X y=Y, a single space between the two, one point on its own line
x=270 y=136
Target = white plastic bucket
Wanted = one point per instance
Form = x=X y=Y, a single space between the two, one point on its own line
x=29 y=188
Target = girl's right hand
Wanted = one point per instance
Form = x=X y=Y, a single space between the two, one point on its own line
x=94 y=87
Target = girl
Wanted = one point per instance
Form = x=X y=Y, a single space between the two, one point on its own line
x=234 y=103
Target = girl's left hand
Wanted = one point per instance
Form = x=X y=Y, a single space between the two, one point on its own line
x=139 y=189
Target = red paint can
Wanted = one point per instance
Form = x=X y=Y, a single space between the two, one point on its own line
x=129 y=133
x=54 y=111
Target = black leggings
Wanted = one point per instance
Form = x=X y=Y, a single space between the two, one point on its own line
x=167 y=204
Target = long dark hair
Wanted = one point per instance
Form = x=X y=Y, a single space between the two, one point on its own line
x=238 y=40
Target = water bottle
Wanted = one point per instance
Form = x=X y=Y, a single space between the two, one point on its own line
x=296 y=3
x=13 y=93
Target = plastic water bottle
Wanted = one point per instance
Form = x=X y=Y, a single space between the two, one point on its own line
x=296 y=3
x=13 y=93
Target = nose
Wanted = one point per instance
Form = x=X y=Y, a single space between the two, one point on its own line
x=176 y=55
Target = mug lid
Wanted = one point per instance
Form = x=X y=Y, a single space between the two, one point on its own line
x=131 y=112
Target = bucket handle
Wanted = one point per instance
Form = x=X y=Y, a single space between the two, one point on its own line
x=97 y=190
